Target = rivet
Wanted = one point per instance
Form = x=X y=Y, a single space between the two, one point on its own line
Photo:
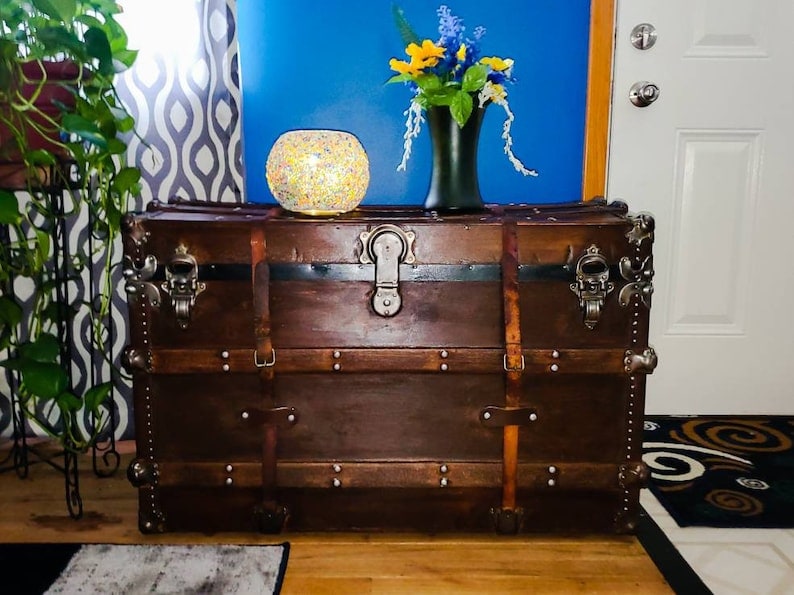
x=554 y=367
x=552 y=469
x=229 y=481
x=533 y=417
x=291 y=418
x=225 y=367
x=148 y=524
x=244 y=415
x=443 y=482
x=337 y=354
x=337 y=366
x=444 y=354
x=229 y=468
x=551 y=483
x=486 y=415
x=444 y=367
x=337 y=468
x=225 y=354
x=443 y=468
x=337 y=483
x=555 y=354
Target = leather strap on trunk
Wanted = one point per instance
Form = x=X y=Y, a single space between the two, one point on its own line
x=508 y=517
x=272 y=516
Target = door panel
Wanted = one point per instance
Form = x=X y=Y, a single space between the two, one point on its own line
x=711 y=159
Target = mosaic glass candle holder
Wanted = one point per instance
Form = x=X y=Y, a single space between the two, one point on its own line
x=318 y=172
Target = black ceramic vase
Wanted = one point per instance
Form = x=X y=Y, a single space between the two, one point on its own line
x=454 y=185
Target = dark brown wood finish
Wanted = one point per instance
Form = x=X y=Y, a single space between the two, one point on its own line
x=485 y=391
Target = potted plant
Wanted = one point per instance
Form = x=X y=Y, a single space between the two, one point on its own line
x=62 y=131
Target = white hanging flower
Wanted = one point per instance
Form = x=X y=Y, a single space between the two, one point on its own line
x=496 y=94
x=413 y=126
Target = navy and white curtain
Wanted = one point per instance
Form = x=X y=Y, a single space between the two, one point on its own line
x=184 y=92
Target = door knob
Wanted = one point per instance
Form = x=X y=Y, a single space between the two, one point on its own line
x=643 y=93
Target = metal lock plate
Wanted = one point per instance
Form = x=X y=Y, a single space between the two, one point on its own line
x=387 y=246
x=592 y=285
x=182 y=284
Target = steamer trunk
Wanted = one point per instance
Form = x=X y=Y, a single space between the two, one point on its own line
x=389 y=369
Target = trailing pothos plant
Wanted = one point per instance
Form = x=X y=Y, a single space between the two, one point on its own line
x=66 y=158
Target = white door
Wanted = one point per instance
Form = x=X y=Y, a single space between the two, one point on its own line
x=713 y=160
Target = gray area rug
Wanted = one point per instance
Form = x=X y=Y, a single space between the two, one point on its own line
x=131 y=569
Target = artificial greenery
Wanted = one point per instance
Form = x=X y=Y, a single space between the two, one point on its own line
x=84 y=157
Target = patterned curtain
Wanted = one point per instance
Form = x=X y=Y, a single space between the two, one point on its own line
x=184 y=92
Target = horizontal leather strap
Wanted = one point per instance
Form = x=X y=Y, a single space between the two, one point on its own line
x=377 y=360
x=399 y=474
x=537 y=361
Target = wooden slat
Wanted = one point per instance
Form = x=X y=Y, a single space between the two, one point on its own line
x=599 y=92
x=392 y=474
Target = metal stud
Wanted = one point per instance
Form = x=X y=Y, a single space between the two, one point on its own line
x=533 y=417
x=337 y=367
x=337 y=483
x=444 y=354
x=337 y=354
x=229 y=481
x=444 y=367
x=555 y=354
x=244 y=415
x=229 y=468
x=554 y=368
x=486 y=415
x=291 y=418
x=225 y=354
x=226 y=367
x=551 y=483
x=337 y=468
x=443 y=482
x=444 y=468
x=552 y=469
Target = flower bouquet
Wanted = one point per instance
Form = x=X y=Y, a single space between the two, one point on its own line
x=451 y=72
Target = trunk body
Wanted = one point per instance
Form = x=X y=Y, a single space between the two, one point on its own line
x=388 y=369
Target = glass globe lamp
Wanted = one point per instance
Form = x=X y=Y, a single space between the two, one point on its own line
x=318 y=172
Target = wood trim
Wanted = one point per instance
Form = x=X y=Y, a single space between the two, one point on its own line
x=599 y=91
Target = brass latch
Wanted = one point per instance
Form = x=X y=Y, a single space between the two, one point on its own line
x=592 y=285
x=387 y=246
x=182 y=284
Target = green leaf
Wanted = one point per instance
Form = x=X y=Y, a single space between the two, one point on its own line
x=474 y=78
x=45 y=380
x=429 y=82
x=40 y=157
x=98 y=46
x=45 y=349
x=400 y=78
x=461 y=107
x=62 y=10
x=43 y=245
x=9 y=208
x=403 y=26
x=85 y=129
x=58 y=39
x=96 y=396
x=68 y=402
x=10 y=311
x=442 y=96
x=126 y=179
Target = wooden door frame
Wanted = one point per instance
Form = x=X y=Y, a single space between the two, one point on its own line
x=599 y=93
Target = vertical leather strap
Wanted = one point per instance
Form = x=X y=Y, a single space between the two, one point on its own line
x=513 y=364
x=272 y=516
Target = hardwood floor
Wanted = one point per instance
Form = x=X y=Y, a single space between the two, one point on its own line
x=33 y=511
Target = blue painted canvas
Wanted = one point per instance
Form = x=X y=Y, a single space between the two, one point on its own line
x=312 y=64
